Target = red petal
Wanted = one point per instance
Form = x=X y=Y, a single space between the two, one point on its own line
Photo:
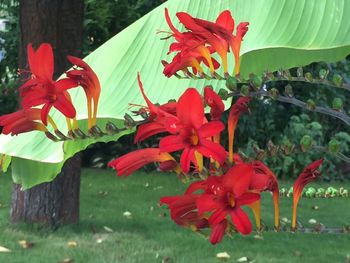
x=65 y=84
x=188 y=22
x=42 y=64
x=238 y=178
x=212 y=150
x=247 y=198
x=217 y=232
x=170 y=24
x=44 y=112
x=241 y=221
x=218 y=216
x=199 y=185
x=171 y=143
x=207 y=203
x=210 y=129
x=186 y=157
x=190 y=109
x=65 y=106
x=146 y=130
x=225 y=20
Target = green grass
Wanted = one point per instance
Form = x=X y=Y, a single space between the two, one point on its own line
x=150 y=237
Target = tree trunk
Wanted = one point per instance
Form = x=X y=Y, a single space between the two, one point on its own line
x=60 y=23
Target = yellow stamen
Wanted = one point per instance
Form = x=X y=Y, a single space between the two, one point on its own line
x=206 y=54
x=69 y=124
x=75 y=124
x=51 y=121
x=256 y=211
x=199 y=159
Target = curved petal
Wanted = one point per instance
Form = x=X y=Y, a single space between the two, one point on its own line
x=218 y=216
x=212 y=150
x=171 y=143
x=210 y=129
x=217 y=232
x=190 y=108
x=147 y=130
x=186 y=158
x=207 y=203
x=65 y=106
x=241 y=221
x=226 y=21
x=247 y=198
x=64 y=84
x=44 y=112
x=238 y=178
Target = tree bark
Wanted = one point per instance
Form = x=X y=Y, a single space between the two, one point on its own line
x=60 y=23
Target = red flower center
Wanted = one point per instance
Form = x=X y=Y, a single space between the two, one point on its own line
x=231 y=199
x=194 y=138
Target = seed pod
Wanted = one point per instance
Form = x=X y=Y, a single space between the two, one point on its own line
x=306 y=143
x=231 y=83
x=337 y=104
x=338 y=80
x=286 y=74
x=334 y=146
x=310 y=104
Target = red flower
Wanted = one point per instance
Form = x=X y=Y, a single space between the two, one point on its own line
x=183 y=211
x=309 y=174
x=130 y=162
x=225 y=196
x=237 y=109
x=193 y=51
x=218 y=35
x=265 y=180
x=161 y=118
x=86 y=78
x=41 y=89
x=193 y=134
x=21 y=121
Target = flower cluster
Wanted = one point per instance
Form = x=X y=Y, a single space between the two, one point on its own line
x=201 y=41
x=41 y=92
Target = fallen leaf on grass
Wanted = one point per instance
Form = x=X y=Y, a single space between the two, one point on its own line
x=312 y=221
x=25 y=244
x=67 y=260
x=72 y=243
x=258 y=237
x=4 y=250
x=223 y=255
x=315 y=207
x=243 y=259
x=166 y=260
x=109 y=230
x=103 y=193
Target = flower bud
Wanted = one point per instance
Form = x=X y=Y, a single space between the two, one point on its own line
x=300 y=72
x=333 y=146
x=338 y=80
x=288 y=90
x=337 y=104
x=245 y=90
x=223 y=94
x=231 y=83
x=306 y=143
x=323 y=74
x=256 y=81
x=310 y=104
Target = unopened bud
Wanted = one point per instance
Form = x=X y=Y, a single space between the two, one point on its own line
x=306 y=143
x=51 y=136
x=337 y=104
x=333 y=146
x=268 y=76
x=223 y=93
x=338 y=80
x=231 y=83
x=256 y=81
x=128 y=120
x=169 y=165
x=286 y=74
x=245 y=90
x=310 y=104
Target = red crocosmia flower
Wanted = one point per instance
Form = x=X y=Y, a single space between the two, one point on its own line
x=88 y=80
x=22 y=121
x=130 y=162
x=218 y=35
x=237 y=109
x=161 y=118
x=227 y=197
x=193 y=134
x=309 y=174
x=265 y=180
x=193 y=51
x=183 y=211
x=41 y=89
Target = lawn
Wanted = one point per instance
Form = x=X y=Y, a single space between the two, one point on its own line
x=150 y=236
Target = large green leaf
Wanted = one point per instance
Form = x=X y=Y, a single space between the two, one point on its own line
x=282 y=34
